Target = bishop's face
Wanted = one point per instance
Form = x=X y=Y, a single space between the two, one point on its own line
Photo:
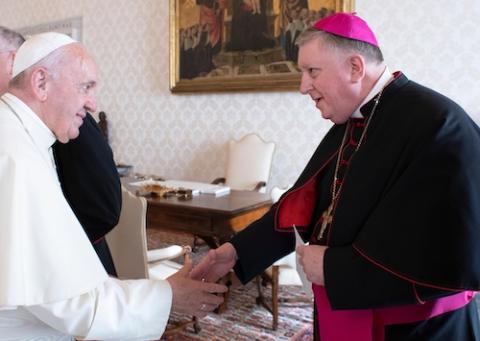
x=327 y=78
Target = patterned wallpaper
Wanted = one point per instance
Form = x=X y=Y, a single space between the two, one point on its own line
x=435 y=42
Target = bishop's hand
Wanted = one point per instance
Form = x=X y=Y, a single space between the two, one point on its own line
x=311 y=259
x=216 y=264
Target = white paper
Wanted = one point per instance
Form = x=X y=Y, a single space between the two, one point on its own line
x=202 y=187
x=306 y=284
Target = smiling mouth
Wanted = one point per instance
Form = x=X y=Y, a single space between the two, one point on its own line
x=317 y=100
x=80 y=118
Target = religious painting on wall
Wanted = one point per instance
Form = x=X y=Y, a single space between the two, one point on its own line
x=240 y=45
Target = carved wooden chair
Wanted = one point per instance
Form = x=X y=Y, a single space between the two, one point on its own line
x=282 y=272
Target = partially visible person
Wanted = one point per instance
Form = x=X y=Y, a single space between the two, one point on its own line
x=389 y=201
x=10 y=41
x=91 y=185
x=52 y=285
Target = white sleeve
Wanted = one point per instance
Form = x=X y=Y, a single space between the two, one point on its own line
x=126 y=310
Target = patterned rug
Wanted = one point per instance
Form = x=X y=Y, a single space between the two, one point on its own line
x=243 y=320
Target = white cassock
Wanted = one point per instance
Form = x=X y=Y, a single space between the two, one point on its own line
x=52 y=285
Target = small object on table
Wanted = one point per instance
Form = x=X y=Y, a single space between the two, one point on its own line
x=156 y=190
x=124 y=170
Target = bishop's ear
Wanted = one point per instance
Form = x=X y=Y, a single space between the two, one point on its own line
x=38 y=81
x=357 y=67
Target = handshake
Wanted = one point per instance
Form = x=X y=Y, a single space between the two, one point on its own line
x=194 y=289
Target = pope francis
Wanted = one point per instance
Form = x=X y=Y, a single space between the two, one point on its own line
x=52 y=285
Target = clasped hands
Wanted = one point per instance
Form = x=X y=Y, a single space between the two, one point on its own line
x=218 y=262
x=197 y=292
x=192 y=295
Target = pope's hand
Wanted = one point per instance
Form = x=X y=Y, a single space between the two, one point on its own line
x=311 y=259
x=191 y=296
x=216 y=264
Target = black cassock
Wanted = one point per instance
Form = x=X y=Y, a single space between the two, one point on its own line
x=406 y=226
x=91 y=185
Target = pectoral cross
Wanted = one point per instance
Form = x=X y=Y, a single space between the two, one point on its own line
x=326 y=220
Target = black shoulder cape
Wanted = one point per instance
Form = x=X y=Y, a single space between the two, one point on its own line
x=407 y=223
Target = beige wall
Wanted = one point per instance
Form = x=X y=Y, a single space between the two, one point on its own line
x=435 y=42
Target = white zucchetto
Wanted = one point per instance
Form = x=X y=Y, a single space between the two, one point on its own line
x=38 y=47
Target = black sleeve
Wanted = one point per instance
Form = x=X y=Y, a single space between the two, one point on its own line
x=352 y=282
x=90 y=180
x=259 y=246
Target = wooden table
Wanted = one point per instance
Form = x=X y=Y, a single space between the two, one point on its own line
x=214 y=219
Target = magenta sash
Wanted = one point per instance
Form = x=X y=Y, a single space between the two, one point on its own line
x=369 y=324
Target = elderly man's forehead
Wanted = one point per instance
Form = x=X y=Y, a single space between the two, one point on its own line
x=77 y=55
x=76 y=50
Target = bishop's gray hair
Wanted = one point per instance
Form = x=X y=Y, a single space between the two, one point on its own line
x=369 y=51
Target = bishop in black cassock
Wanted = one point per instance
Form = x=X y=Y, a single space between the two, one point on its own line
x=389 y=201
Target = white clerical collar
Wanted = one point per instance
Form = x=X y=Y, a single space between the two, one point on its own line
x=384 y=79
x=39 y=132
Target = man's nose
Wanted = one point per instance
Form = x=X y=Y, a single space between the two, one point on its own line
x=305 y=84
x=91 y=104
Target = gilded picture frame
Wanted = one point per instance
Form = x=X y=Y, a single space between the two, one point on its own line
x=240 y=45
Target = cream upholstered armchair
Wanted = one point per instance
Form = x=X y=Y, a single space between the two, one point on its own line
x=282 y=272
x=249 y=162
x=128 y=246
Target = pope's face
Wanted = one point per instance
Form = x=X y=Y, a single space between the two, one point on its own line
x=73 y=94
x=327 y=78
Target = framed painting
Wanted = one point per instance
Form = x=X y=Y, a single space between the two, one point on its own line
x=240 y=45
